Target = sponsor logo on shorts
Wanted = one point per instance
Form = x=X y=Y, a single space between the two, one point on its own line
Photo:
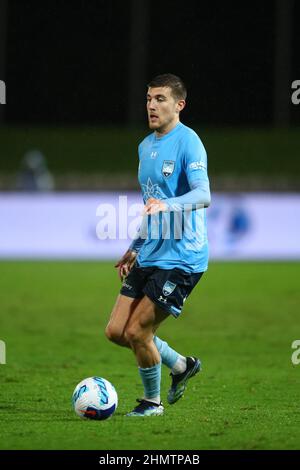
x=125 y=284
x=168 y=288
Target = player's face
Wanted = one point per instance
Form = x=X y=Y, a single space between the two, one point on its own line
x=163 y=109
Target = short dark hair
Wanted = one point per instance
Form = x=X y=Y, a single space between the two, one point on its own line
x=172 y=81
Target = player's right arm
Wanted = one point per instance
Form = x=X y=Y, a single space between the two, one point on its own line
x=125 y=264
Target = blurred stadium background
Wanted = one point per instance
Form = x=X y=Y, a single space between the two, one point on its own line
x=75 y=90
x=75 y=76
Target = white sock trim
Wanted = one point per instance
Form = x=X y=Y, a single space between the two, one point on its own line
x=179 y=366
x=153 y=399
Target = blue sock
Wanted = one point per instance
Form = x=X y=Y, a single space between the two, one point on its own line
x=168 y=355
x=151 y=380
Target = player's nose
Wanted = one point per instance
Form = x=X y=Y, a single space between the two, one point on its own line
x=151 y=105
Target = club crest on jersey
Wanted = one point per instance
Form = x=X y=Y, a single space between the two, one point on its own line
x=168 y=168
x=168 y=288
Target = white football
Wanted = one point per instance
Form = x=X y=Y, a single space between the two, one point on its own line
x=95 y=398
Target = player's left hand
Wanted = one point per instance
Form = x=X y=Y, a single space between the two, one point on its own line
x=153 y=206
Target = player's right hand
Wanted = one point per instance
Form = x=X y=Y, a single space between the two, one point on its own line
x=126 y=263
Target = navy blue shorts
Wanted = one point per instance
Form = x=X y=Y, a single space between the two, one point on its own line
x=167 y=288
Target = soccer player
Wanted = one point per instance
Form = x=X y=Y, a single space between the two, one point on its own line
x=170 y=254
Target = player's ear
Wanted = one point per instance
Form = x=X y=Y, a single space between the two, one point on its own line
x=180 y=105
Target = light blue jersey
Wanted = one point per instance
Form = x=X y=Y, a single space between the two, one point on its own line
x=174 y=168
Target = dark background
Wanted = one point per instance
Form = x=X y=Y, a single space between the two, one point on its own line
x=82 y=62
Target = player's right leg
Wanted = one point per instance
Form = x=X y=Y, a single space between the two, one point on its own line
x=184 y=368
x=116 y=332
x=126 y=304
x=127 y=301
x=122 y=311
x=147 y=317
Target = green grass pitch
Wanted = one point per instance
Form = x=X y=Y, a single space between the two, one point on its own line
x=240 y=320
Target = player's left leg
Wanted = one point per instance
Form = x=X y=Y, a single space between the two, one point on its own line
x=130 y=295
x=169 y=289
x=169 y=357
x=182 y=369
